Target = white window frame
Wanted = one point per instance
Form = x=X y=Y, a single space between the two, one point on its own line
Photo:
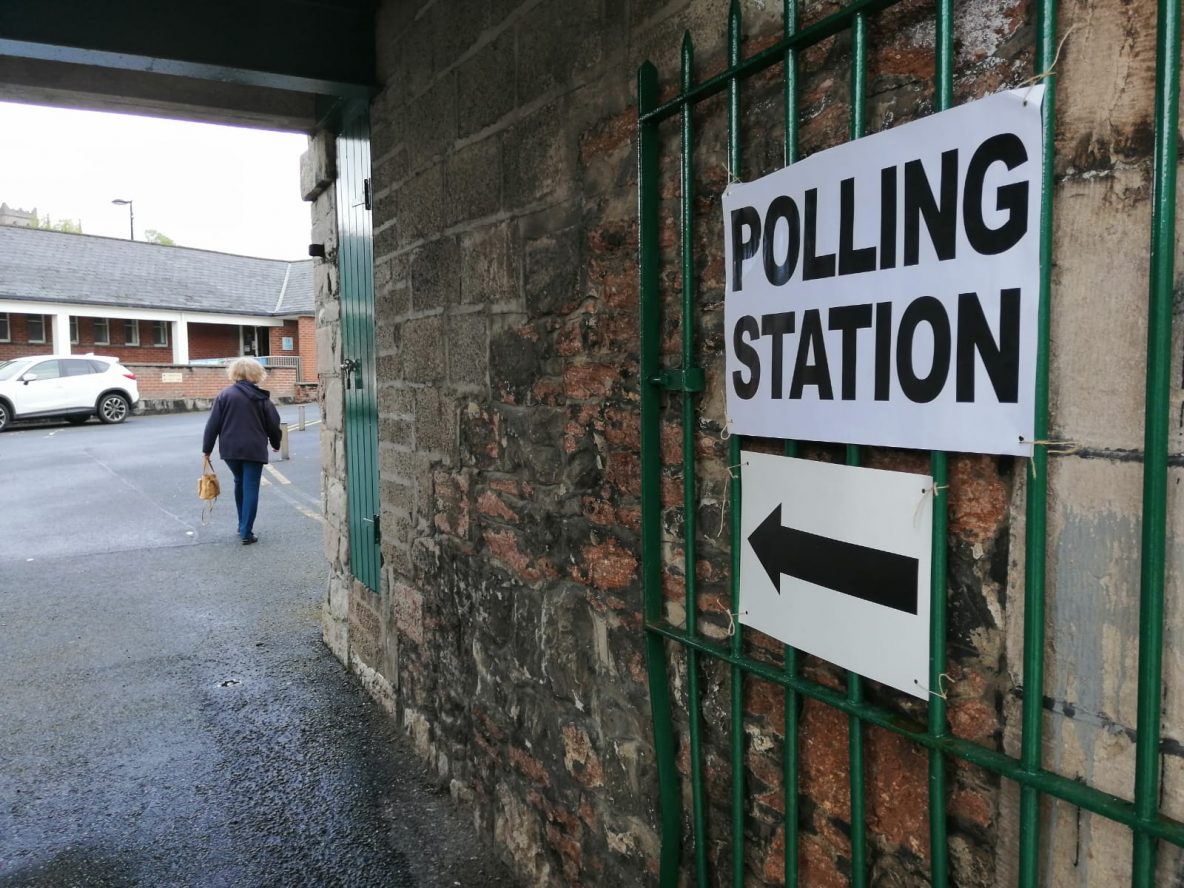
x=74 y=339
x=5 y=327
x=131 y=332
x=104 y=325
x=29 y=330
x=160 y=334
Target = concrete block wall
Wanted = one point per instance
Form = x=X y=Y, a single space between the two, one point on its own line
x=506 y=335
x=506 y=638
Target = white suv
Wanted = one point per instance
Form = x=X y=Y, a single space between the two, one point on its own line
x=73 y=387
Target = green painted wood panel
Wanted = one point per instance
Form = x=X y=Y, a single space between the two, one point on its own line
x=355 y=257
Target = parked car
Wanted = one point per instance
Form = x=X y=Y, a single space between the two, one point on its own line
x=72 y=387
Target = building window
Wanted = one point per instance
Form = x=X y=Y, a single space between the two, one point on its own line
x=102 y=331
x=35 y=326
x=131 y=332
x=160 y=333
x=5 y=330
x=73 y=330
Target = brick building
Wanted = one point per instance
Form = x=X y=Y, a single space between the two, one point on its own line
x=151 y=304
x=532 y=612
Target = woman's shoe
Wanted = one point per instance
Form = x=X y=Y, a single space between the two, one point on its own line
x=250 y=538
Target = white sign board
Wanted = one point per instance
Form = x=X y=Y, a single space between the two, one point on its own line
x=885 y=291
x=170 y=376
x=835 y=561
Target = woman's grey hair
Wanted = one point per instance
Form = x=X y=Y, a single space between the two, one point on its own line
x=246 y=368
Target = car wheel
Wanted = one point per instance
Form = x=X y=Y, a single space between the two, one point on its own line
x=77 y=420
x=113 y=408
x=5 y=416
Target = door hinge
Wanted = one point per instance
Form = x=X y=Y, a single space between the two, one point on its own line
x=368 y=194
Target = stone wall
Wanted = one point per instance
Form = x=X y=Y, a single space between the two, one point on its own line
x=318 y=176
x=1104 y=142
x=506 y=639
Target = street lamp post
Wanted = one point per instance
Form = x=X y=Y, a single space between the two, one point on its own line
x=131 y=214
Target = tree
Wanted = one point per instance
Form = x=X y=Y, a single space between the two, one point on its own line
x=153 y=236
x=70 y=226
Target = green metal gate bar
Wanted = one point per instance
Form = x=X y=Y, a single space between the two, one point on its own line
x=737 y=676
x=939 y=469
x=1142 y=816
x=790 y=654
x=1155 y=443
x=688 y=456
x=1035 y=539
x=649 y=364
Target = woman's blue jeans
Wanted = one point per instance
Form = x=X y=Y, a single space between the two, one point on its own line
x=246 y=492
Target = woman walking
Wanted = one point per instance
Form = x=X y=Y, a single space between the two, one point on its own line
x=244 y=421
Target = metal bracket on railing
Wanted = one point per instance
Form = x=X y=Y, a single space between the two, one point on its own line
x=680 y=379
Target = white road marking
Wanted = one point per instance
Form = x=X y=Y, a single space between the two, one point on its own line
x=275 y=473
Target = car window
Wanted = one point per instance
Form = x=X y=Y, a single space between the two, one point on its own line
x=77 y=367
x=13 y=369
x=45 y=370
x=100 y=366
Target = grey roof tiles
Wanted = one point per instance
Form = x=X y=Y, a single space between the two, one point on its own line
x=51 y=266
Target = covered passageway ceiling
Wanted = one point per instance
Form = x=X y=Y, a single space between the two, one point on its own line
x=278 y=64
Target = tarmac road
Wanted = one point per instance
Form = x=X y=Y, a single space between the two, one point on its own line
x=168 y=713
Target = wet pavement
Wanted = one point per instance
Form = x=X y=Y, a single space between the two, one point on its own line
x=168 y=713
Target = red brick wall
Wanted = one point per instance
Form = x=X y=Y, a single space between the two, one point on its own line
x=276 y=336
x=307 y=344
x=304 y=342
x=202 y=382
x=117 y=346
x=213 y=341
x=19 y=345
x=205 y=341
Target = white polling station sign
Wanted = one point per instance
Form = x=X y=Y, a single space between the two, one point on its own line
x=835 y=561
x=885 y=291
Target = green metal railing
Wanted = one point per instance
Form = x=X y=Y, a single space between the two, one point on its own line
x=1142 y=816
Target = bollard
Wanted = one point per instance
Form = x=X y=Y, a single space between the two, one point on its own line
x=302 y=417
x=283 y=440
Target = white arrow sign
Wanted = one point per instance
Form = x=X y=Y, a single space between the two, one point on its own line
x=835 y=561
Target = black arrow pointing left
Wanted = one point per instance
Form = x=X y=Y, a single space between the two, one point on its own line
x=873 y=575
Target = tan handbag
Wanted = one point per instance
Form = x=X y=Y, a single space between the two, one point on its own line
x=208 y=490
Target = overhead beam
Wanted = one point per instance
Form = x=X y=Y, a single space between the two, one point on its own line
x=323 y=47
x=129 y=92
x=94 y=58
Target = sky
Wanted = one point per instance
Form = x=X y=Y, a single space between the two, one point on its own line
x=221 y=188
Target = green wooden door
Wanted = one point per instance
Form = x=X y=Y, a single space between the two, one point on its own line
x=355 y=257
